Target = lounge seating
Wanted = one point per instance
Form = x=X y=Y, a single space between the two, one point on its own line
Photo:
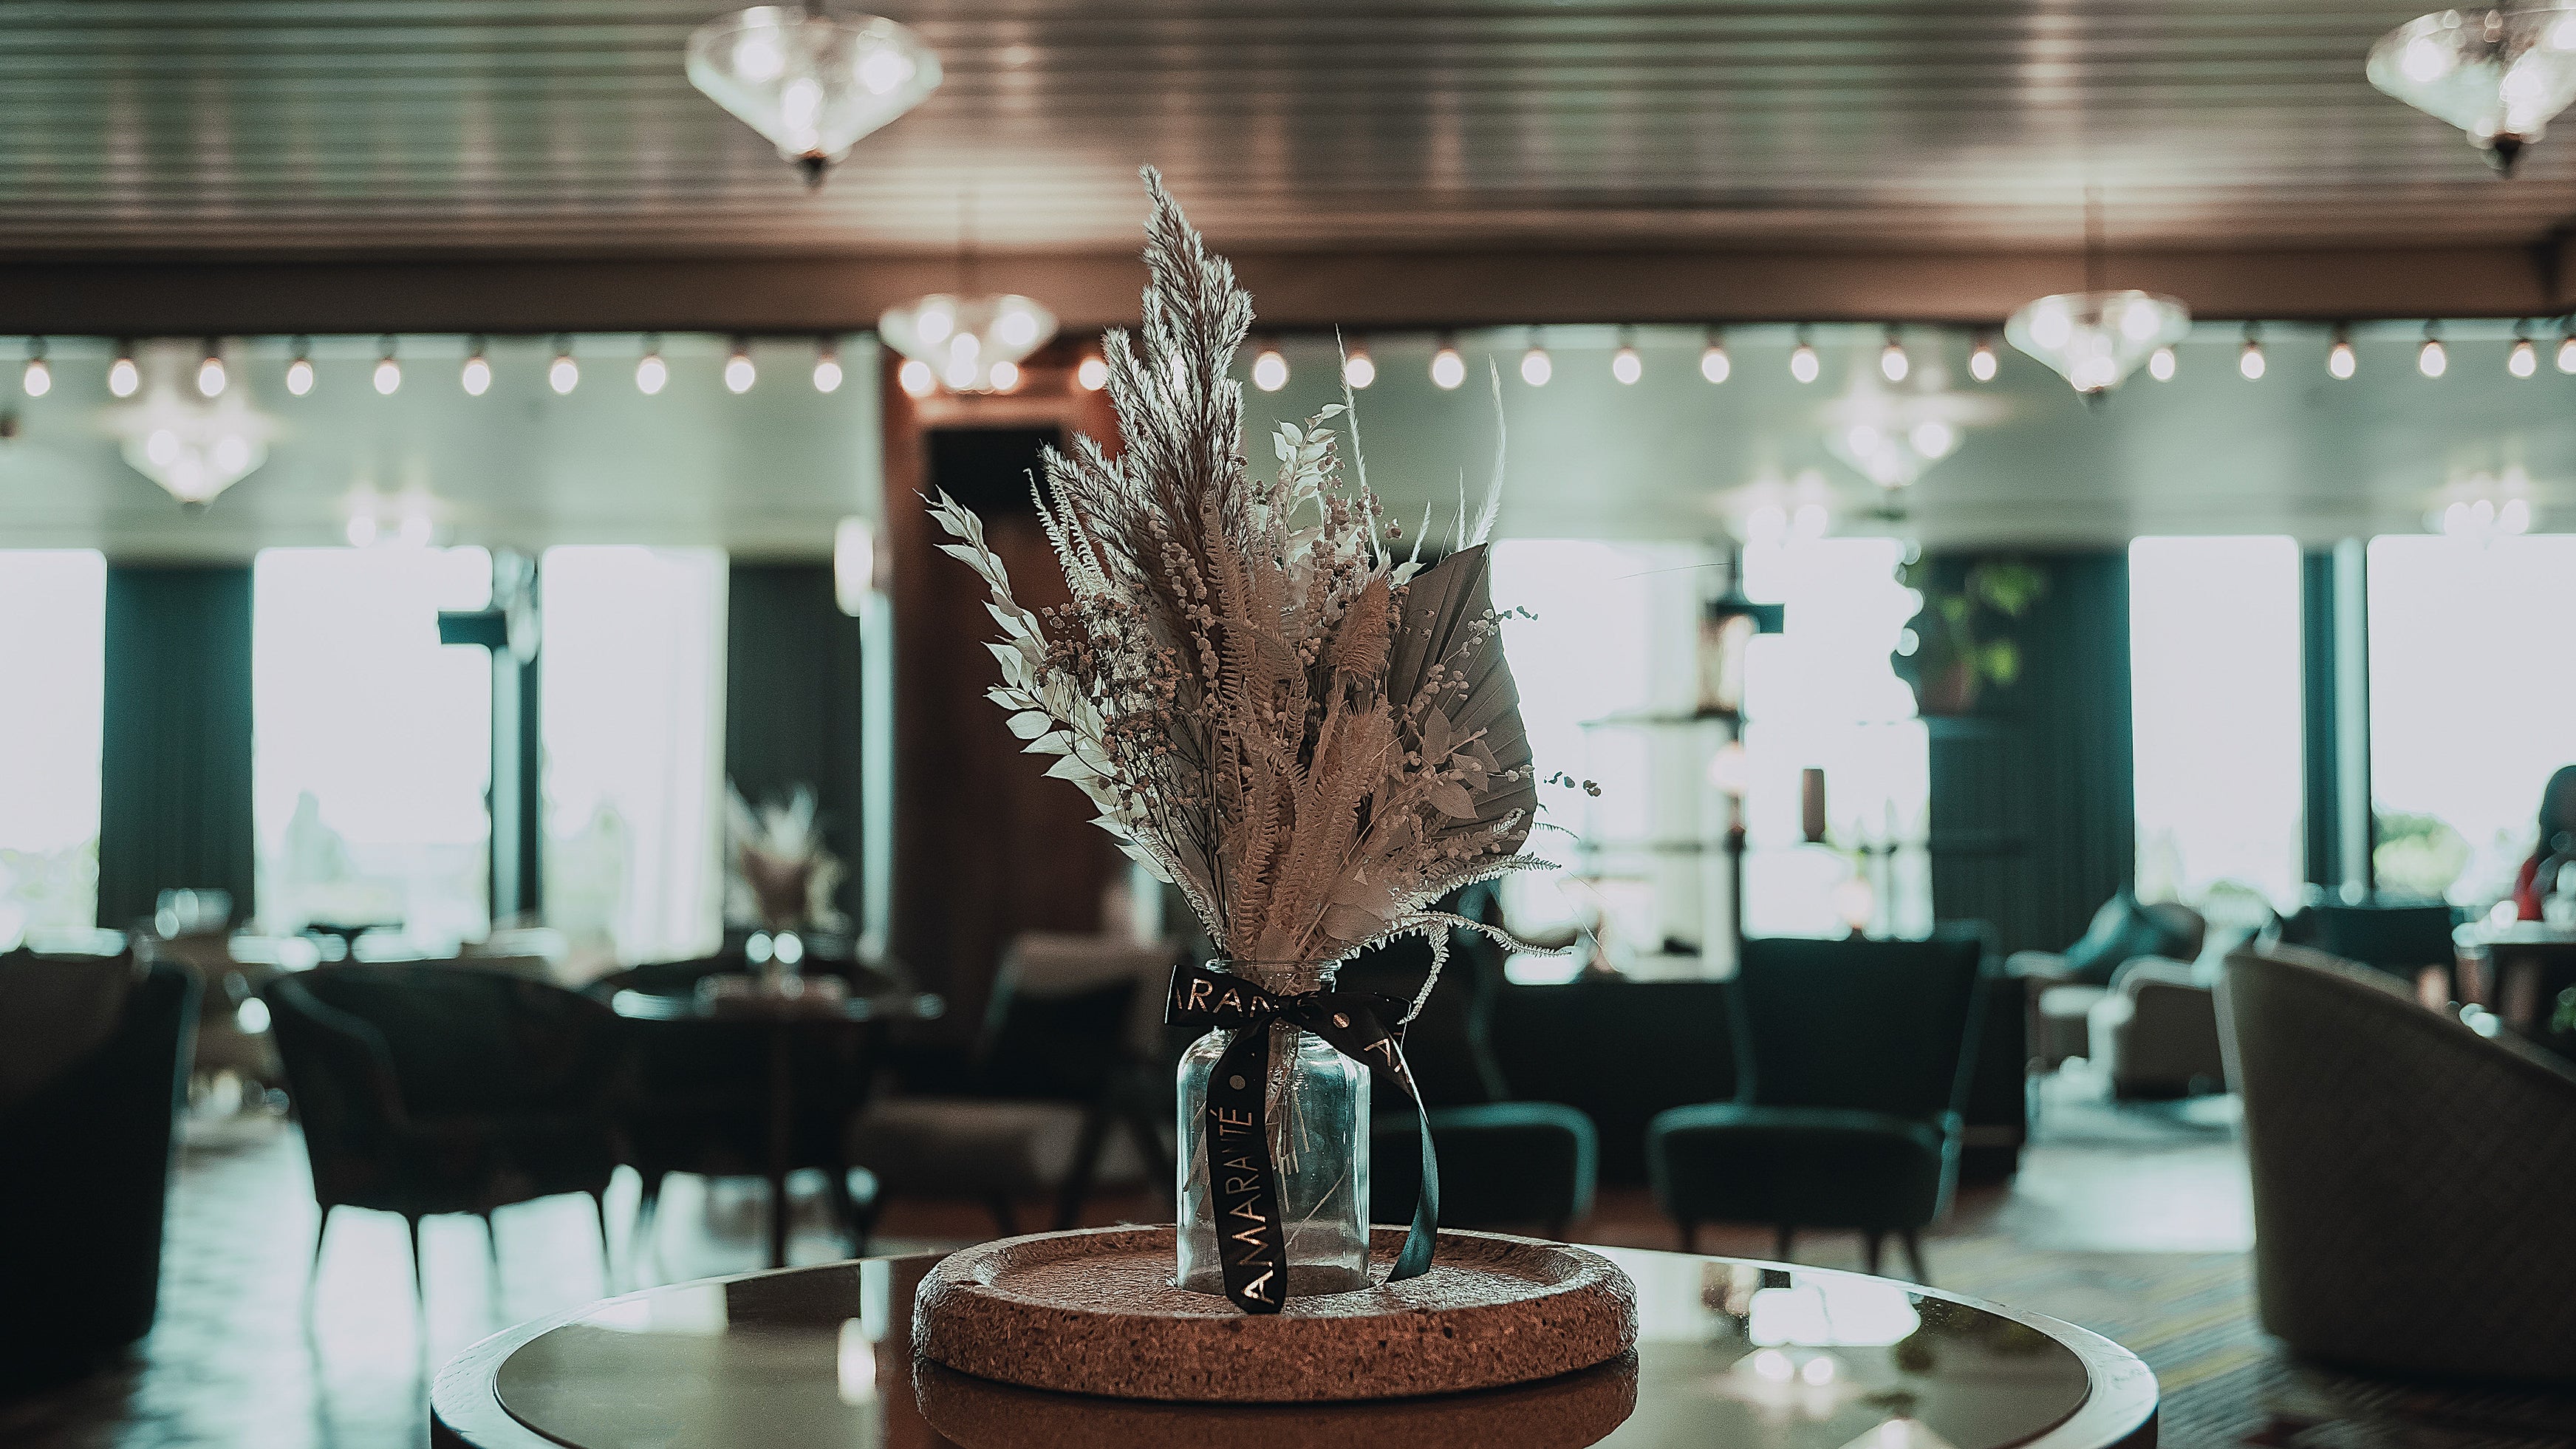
x=1860 y=1056
x=2064 y=987
x=93 y=1071
x=2405 y=939
x=2412 y=1178
x=447 y=1089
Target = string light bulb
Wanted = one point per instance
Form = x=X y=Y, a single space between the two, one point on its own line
x=1358 y=370
x=2432 y=359
x=123 y=377
x=916 y=378
x=1713 y=363
x=2567 y=352
x=2340 y=363
x=1802 y=359
x=739 y=374
x=2160 y=364
x=563 y=374
x=38 y=379
x=2524 y=359
x=652 y=374
x=1536 y=366
x=1448 y=369
x=388 y=371
x=476 y=376
x=2249 y=358
x=1005 y=374
x=1092 y=373
x=1269 y=369
x=1981 y=359
x=1892 y=362
x=827 y=366
x=1625 y=365
x=210 y=372
x=299 y=372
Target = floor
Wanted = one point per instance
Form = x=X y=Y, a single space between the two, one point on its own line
x=238 y=1360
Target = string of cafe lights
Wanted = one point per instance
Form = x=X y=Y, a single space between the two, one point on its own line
x=1537 y=364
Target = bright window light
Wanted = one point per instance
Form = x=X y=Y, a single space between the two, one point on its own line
x=371 y=810
x=2214 y=634
x=633 y=697
x=49 y=756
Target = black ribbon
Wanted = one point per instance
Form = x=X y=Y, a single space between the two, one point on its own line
x=1251 y=1241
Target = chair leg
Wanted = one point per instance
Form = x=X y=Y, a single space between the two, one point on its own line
x=1556 y=1228
x=1005 y=1217
x=1788 y=1243
x=1914 y=1256
x=607 y=1259
x=845 y=1208
x=492 y=1248
x=1076 y=1187
x=1873 y=1244
x=1690 y=1237
x=419 y=1268
x=313 y=1275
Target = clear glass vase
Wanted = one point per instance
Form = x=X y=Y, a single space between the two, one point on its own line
x=1317 y=1108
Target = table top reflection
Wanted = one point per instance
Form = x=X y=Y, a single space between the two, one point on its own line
x=1729 y=1353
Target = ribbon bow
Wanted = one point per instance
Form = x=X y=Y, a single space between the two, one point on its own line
x=1251 y=1241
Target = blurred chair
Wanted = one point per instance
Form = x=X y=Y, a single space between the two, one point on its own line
x=2155 y=1032
x=2412 y=1178
x=440 y=1088
x=2063 y=987
x=702 y=1104
x=1065 y=1090
x=1503 y=1163
x=230 y=972
x=1859 y=1054
x=93 y=1072
x=2405 y=939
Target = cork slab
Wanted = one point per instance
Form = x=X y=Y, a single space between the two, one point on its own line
x=1096 y=1312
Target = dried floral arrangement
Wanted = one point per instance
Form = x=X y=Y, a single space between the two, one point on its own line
x=1275 y=707
x=783 y=876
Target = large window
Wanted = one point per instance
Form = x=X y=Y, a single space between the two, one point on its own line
x=54 y=656
x=372 y=752
x=2215 y=711
x=632 y=694
x=2472 y=705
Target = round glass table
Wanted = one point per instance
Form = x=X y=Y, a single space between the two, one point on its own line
x=1729 y=1353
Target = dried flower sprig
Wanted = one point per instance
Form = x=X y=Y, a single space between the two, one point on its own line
x=1313 y=740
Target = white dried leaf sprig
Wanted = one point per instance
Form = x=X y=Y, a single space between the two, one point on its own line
x=1313 y=739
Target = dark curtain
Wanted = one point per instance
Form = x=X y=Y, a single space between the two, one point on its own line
x=2034 y=824
x=174 y=786
x=792 y=699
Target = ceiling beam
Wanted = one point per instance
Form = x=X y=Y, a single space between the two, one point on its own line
x=1357 y=289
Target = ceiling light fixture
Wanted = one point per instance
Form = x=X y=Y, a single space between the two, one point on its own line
x=2498 y=74
x=1981 y=359
x=827 y=366
x=388 y=371
x=739 y=374
x=476 y=376
x=1892 y=363
x=563 y=374
x=1625 y=365
x=123 y=377
x=2524 y=359
x=2567 y=350
x=1536 y=366
x=1448 y=369
x=965 y=339
x=1357 y=370
x=1092 y=373
x=2249 y=358
x=2432 y=359
x=2340 y=362
x=2160 y=364
x=193 y=446
x=38 y=379
x=299 y=372
x=210 y=372
x=652 y=374
x=916 y=378
x=2097 y=337
x=1802 y=359
x=812 y=83
x=1713 y=363
x=1269 y=369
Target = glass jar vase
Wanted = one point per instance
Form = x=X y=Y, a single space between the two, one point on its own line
x=1317 y=1108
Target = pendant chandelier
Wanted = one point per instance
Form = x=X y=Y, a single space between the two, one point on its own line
x=194 y=446
x=968 y=340
x=1892 y=433
x=812 y=83
x=2095 y=338
x=2498 y=75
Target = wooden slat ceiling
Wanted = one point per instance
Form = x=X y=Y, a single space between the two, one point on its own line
x=514 y=127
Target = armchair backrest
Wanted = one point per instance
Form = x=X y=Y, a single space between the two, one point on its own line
x=1069 y=1014
x=456 y=1039
x=2398 y=939
x=2411 y=1177
x=1869 y=1025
